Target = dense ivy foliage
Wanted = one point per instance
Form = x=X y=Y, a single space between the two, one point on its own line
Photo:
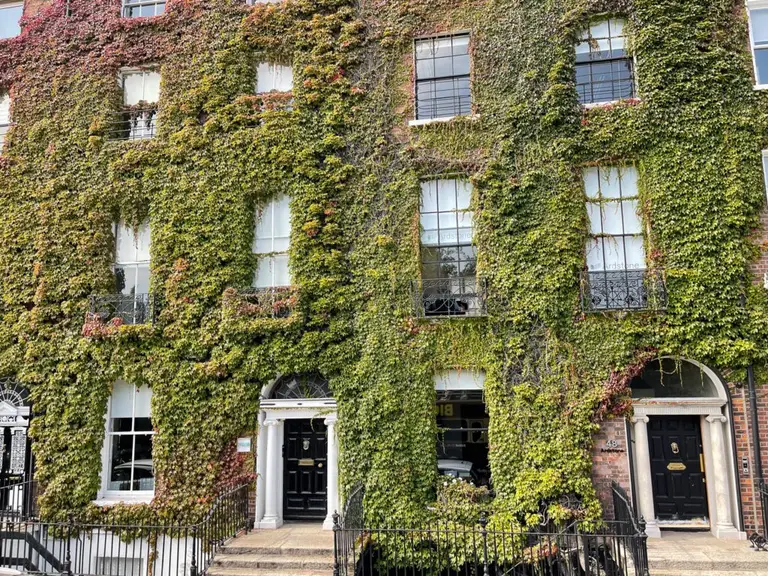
x=344 y=154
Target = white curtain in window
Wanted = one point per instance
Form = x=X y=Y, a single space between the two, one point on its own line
x=5 y=116
x=140 y=86
x=273 y=77
x=132 y=258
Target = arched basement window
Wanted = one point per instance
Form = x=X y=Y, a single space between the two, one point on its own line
x=462 y=426
x=297 y=386
x=673 y=378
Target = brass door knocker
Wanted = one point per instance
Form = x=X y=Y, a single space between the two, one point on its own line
x=306 y=445
x=675 y=448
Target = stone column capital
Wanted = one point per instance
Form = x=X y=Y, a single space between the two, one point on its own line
x=639 y=418
x=716 y=418
x=271 y=422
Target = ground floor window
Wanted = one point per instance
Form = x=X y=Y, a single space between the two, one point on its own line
x=462 y=438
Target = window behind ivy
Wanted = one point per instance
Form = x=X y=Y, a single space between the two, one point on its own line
x=604 y=69
x=129 y=437
x=442 y=77
x=5 y=117
x=143 y=8
x=615 y=249
x=141 y=92
x=271 y=241
x=758 y=18
x=448 y=256
x=10 y=14
x=132 y=259
x=273 y=78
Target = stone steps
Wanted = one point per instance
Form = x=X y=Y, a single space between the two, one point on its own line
x=275 y=561
x=218 y=571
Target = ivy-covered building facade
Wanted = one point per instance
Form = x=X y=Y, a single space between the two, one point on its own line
x=491 y=254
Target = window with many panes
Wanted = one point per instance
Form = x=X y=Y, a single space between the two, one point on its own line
x=615 y=249
x=604 y=68
x=141 y=92
x=132 y=259
x=271 y=240
x=129 y=440
x=142 y=8
x=10 y=14
x=5 y=116
x=758 y=28
x=448 y=256
x=442 y=77
x=273 y=78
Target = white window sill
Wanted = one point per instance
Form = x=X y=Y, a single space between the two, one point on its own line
x=609 y=103
x=760 y=87
x=427 y=121
x=128 y=498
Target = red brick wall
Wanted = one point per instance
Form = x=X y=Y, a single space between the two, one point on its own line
x=610 y=462
x=32 y=7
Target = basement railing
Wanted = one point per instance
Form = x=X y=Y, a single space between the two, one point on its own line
x=276 y=303
x=623 y=290
x=118 y=549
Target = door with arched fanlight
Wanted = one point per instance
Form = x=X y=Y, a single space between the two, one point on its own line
x=17 y=489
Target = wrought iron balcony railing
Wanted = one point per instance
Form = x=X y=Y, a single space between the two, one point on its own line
x=451 y=297
x=132 y=124
x=623 y=290
x=276 y=302
x=122 y=309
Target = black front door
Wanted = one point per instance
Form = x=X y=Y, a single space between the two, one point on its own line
x=679 y=489
x=305 y=483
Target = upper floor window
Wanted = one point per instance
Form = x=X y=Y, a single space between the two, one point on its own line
x=138 y=8
x=442 y=77
x=449 y=285
x=10 y=14
x=141 y=92
x=129 y=466
x=271 y=240
x=132 y=259
x=758 y=27
x=5 y=116
x=615 y=250
x=273 y=78
x=604 y=69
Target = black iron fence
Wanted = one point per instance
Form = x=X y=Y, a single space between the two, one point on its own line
x=18 y=497
x=452 y=297
x=115 y=549
x=629 y=525
x=489 y=548
x=759 y=538
x=122 y=309
x=132 y=124
x=623 y=290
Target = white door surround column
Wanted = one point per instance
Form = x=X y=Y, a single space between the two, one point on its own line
x=333 y=472
x=644 y=483
x=272 y=515
x=270 y=462
x=723 y=527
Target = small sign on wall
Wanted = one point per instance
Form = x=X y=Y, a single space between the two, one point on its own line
x=244 y=444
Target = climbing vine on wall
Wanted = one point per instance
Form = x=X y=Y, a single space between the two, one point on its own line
x=339 y=146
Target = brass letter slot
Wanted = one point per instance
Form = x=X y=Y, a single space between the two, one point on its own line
x=306 y=462
x=678 y=466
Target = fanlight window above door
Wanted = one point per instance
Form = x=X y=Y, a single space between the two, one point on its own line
x=296 y=386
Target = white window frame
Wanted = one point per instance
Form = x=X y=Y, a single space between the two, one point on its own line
x=5 y=126
x=600 y=202
x=140 y=131
x=125 y=7
x=271 y=255
x=754 y=5
x=7 y=5
x=105 y=495
x=765 y=172
x=132 y=264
